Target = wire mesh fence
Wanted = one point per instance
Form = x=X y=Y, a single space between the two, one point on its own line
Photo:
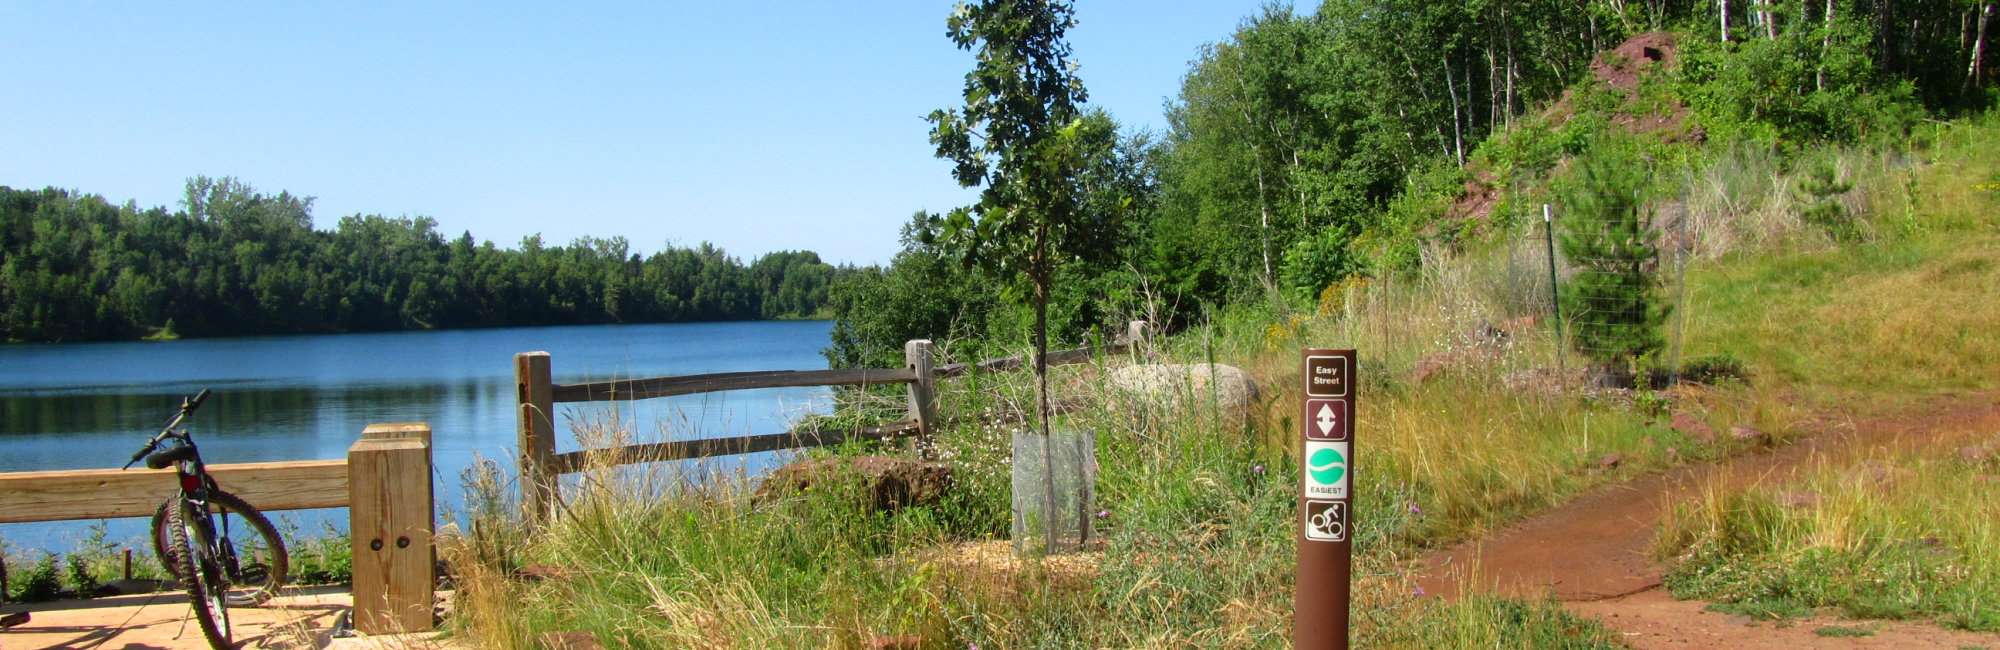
x=1614 y=284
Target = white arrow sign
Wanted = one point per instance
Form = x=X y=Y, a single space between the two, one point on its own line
x=1326 y=419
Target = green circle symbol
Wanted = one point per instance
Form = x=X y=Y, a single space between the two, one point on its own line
x=1326 y=466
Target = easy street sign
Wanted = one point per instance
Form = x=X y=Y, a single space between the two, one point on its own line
x=1326 y=500
x=1328 y=375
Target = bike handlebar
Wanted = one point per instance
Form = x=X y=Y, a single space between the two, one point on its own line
x=188 y=405
x=142 y=453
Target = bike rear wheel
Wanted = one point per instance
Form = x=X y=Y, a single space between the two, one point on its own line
x=188 y=548
x=258 y=553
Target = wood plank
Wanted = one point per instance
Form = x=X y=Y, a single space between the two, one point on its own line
x=637 y=389
x=398 y=430
x=392 y=525
x=106 y=493
x=576 y=461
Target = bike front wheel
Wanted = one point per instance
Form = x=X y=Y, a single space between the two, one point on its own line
x=190 y=550
x=254 y=555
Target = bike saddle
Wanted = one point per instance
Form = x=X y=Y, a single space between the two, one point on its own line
x=165 y=459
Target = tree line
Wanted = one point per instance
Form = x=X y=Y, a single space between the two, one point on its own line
x=1304 y=149
x=235 y=261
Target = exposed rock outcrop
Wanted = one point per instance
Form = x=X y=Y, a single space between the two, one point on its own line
x=886 y=482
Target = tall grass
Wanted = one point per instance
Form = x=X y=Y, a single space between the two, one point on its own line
x=1909 y=536
x=1196 y=518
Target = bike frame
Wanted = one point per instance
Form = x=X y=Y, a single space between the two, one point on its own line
x=196 y=484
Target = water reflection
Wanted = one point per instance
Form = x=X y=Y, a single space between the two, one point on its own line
x=292 y=398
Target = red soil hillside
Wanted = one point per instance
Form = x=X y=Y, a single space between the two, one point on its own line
x=1619 y=70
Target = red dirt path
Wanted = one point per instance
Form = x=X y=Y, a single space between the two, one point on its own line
x=1594 y=552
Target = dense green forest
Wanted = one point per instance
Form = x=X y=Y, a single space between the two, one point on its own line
x=1305 y=149
x=1301 y=150
x=238 y=262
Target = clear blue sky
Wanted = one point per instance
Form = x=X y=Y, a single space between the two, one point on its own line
x=758 y=127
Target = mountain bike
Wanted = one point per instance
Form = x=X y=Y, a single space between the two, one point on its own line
x=191 y=533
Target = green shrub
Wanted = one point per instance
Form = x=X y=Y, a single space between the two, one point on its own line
x=41 y=582
x=1394 y=243
x=1318 y=261
x=81 y=580
x=325 y=559
x=1783 y=91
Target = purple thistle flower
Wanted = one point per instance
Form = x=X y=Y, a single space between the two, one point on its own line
x=1259 y=468
x=1103 y=513
x=1418 y=592
x=1414 y=509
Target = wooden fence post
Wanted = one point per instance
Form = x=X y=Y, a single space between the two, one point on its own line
x=535 y=411
x=391 y=520
x=394 y=430
x=923 y=398
x=1135 y=334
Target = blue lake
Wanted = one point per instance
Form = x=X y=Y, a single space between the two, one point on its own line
x=77 y=406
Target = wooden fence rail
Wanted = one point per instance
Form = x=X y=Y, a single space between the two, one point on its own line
x=67 y=495
x=537 y=394
x=385 y=483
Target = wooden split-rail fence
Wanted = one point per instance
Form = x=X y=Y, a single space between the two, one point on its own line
x=385 y=483
x=385 y=480
x=541 y=467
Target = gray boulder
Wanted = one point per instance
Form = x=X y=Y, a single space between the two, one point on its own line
x=1180 y=385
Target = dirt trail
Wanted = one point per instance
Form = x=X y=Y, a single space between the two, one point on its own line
x=1653 y=620
x=1593 y=552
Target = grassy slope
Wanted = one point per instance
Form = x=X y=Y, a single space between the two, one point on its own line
x=1867 y=327
x=1198 y=503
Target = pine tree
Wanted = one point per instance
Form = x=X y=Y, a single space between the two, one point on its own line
x=1614 y=299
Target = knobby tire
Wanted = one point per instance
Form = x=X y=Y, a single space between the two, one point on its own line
x=186 y=550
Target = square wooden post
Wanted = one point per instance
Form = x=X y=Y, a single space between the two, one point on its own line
x=394 y=430
x=391 y=520
x=923 y=398
x=1135 y=336
x=535 y=412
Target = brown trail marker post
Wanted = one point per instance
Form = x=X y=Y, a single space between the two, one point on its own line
x=1326 y=500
